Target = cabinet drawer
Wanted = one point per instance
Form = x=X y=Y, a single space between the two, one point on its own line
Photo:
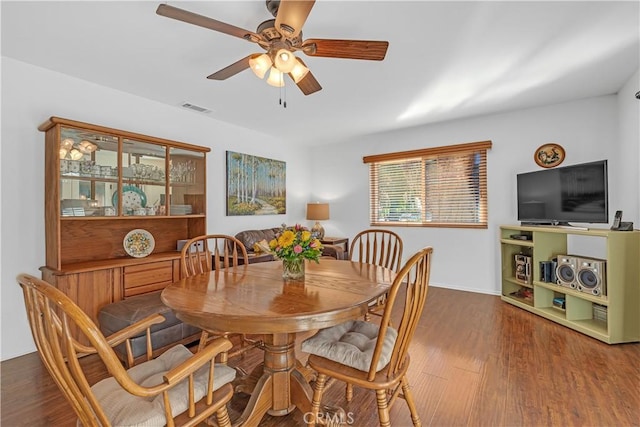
x=145 y=289
x=148 y=274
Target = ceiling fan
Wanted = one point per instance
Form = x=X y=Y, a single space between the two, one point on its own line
x=280 y=38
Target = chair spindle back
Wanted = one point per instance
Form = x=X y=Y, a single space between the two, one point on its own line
x=414 y=278
x=377 y=246
x=211 y=252
x=52 y=316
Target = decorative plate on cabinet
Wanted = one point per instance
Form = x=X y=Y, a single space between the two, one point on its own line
x=132 y=198
x=549 y=155
x=139 y=243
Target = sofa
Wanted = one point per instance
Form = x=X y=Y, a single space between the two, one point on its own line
x=249 y=238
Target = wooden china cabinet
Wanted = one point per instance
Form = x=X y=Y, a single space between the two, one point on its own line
x=101 y=184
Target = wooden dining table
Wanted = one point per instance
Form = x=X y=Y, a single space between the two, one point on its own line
x=254 y=299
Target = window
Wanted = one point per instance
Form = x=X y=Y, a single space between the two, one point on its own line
x=433 y=187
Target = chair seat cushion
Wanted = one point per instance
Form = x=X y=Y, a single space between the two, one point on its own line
x=352 y=344
x=125 y=409
x=118 y=315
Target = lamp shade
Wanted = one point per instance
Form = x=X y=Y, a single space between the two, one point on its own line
x=275 y=78
x=87 y=147
x=260 y=64
x=284 y=60
x=299 y=71
x=318 y=211
x=67 y=143
x=75 y=154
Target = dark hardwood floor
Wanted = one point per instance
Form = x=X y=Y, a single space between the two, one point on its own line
x=476 y=361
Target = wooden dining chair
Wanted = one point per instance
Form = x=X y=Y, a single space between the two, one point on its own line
x=215 y=252
x=211 y=252
x=373 y=356
x=177 y=388
x=380 y=247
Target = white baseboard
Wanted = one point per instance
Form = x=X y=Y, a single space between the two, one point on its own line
x=459 y=288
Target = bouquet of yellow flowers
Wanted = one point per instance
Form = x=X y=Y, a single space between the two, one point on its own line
x=296 y=242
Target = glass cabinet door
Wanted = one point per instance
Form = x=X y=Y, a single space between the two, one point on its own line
x=88 y=172
x=109 y=175
x=143 y=179
x=186 y=182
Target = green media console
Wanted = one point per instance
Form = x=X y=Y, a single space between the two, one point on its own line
x=604 y=303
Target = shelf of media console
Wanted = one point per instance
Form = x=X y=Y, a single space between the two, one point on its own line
x=527 y=243
x=602 y=300
x=557 y=229
x=592 y=327
x=519 y=283
x=520 y=302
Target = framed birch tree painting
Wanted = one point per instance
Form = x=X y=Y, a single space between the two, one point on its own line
x=255 y=185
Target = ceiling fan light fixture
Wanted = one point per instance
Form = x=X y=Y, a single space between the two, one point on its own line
x=260 y=65
x=284 y=60
x=87 y=147
x=75 y=154
x=299 y=71
x=67 y=143
x=276 y=78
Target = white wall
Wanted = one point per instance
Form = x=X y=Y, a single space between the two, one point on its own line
x=469 y=259
x=629 y=117
x=30 y=95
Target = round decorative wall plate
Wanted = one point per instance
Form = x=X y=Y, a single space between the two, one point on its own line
x=132 y=198
x=549 y=155
x=139 y=243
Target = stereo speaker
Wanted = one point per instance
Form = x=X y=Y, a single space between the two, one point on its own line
x=591 y=276
x=566 y=271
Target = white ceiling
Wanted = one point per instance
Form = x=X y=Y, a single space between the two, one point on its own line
x=446 y=60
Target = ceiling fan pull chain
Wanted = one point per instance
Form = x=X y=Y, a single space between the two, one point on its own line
x=284 y=88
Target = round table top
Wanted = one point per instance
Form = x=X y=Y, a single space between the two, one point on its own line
x=255 y=299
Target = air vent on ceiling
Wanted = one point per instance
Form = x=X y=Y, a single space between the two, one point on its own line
x=194 y=107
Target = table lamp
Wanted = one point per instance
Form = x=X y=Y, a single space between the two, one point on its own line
x=318 y=212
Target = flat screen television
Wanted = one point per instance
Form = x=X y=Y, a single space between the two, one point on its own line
x=558 y=196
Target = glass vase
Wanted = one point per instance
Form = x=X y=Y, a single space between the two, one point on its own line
x=293 y=269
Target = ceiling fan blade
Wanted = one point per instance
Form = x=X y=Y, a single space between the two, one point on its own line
x=206 y=22
x=350 y=49
x=309 y=84
x=292 y=15
x=232 y=69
